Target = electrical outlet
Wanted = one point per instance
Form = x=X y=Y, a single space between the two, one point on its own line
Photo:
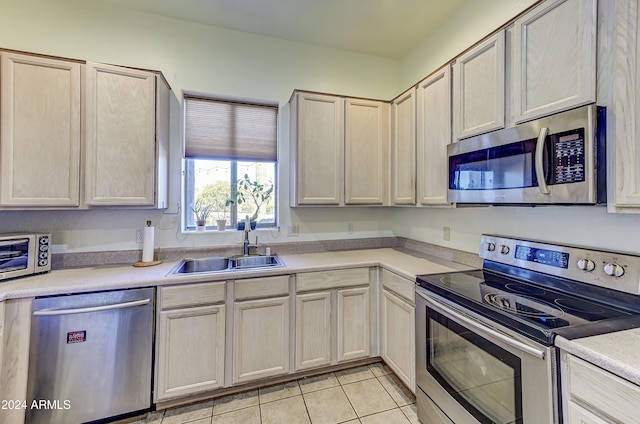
x=292 y=230
x=350 y=227
x=140 y=235
x=446 y=233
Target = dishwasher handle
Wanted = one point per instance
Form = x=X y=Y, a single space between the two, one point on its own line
x=52 y=312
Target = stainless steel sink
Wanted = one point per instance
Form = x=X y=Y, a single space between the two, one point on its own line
x=244 y=262
x=213 y=264
x=223 y=264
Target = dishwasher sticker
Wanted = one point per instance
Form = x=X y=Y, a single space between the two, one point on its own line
x=76 y=337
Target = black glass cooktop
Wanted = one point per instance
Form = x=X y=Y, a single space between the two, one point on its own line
x=538 y=309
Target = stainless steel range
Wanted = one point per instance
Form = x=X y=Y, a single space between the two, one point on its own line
x=485 y=338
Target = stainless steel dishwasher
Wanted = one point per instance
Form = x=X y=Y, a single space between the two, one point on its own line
x=90 y=356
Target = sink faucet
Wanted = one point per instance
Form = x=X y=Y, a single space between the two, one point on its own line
x=246 y=246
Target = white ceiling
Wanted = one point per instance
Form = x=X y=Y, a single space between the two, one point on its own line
x=387 y=28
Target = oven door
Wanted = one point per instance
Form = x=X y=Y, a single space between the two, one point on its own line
x=478 y=373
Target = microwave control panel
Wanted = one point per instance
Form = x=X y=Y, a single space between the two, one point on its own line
x=568 y=159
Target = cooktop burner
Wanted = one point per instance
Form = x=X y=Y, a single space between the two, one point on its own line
x=522 y=305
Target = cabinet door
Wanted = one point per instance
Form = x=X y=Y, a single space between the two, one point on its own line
x=313 y=330
x=120 y=127
x=317 y=142
x=191 y=345
x=478 y=88
x=623 y=131
x=40 y=131
x=261 y=339
x=403 y=149
x=366 y=152
x=354 y=326
x=398 y=337
x=579 y=415
x=554 y=51
x=434 y=134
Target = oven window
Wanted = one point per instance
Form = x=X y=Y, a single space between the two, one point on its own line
x=495 y=168
x=14 y=256
x=482 y=377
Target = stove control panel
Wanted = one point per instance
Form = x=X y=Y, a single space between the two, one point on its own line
x=617 y=271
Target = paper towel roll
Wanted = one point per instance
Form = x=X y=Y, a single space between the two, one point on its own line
x=147 y=247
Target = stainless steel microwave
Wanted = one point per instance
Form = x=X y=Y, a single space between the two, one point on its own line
x=559 y=159
x=24 y=254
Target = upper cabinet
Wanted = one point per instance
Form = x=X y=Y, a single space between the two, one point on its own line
x=554 y=58
x=366 y=146
x=434 y=134
x=121 y=135
x=624 y=116
x=339 y=150
x=403 y=149
x=40 y=131
x=46 y=103
x=317 y=149
x=479 y=87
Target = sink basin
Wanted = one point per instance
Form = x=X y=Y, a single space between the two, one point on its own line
x=213 y=264
x=244 y=262
x=222 y=264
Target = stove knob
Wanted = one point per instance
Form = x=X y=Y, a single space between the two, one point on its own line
x=504 y=249
x=491 y=247
x=613 y=270
x=586 y=265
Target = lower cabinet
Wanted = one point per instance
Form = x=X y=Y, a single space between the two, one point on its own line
x=397 y=342
x=190 y=339
x=313 y=330
x=333 y=320
x=191 y=350
x=260 y=339
x=261 y=328
x=579 y=415
x=397 y=327
x=594 y=396
x=353 y=325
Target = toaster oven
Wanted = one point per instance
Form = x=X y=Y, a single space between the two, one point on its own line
x=24 y=254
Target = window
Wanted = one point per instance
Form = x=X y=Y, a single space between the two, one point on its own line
x=230 y=162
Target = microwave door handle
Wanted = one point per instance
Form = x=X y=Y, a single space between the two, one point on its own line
x=542 y=182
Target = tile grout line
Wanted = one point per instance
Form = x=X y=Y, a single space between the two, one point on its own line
x=304 y=401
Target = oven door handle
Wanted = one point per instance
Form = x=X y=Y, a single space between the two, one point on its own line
x=542 y=182
x=483 y=329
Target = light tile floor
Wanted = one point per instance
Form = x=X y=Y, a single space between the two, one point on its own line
x=366 y=395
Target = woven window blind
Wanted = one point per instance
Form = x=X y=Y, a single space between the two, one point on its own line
x=222 y=129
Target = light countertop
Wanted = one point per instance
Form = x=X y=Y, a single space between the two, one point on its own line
x=404 y=262
x=615 y=352
x=618 y=353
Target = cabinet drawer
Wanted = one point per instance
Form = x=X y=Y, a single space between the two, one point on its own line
x=254 y=288
x=399 y=285
x=191 y=295
x=322 y=280
x=610 y=394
